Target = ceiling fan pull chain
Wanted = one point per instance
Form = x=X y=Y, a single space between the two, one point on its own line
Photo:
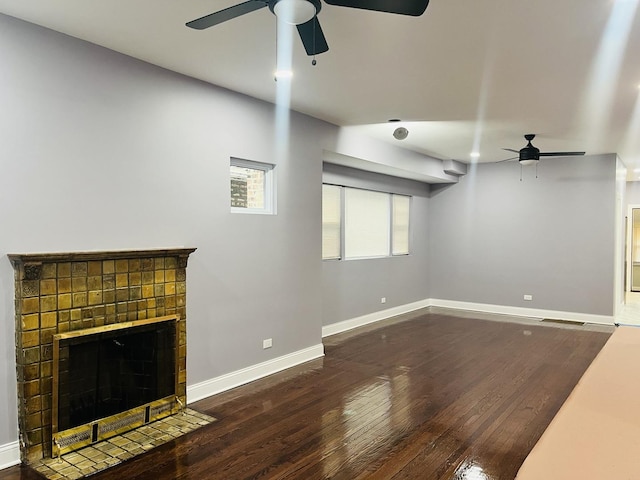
x=313 y=62
x=520 y=172
x=537 y=170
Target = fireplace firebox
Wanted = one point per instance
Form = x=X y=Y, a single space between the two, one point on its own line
x=110 y=379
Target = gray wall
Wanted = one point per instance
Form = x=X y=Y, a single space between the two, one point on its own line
x=100 y=151
x=352 y=288
x=493 y=238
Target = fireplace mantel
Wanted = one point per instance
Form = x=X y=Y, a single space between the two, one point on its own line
x=19 y=260
x=69 y=291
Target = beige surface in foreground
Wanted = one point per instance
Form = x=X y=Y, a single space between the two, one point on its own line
x=596 y=433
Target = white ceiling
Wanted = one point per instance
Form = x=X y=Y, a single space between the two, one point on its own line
x=467 y=75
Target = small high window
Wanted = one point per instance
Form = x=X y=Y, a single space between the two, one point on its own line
x=252 y=187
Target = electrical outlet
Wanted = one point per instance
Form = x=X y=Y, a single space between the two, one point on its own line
x=383 y=300
x=267 y=343
x=528 y=297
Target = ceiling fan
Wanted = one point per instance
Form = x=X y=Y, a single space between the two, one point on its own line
x=303 y=14
x=530 y=155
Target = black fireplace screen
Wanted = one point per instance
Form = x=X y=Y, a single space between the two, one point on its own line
x=110 y=372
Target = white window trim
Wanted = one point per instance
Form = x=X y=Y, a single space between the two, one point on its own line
x=269 y=186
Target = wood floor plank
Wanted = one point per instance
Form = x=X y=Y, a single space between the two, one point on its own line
x=431 y=397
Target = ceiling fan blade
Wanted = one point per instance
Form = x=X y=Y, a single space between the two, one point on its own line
x=507 y=159
x=560 y=154
x=511 y=150
x=414 y=8
x=312 y=37
x=226 y=14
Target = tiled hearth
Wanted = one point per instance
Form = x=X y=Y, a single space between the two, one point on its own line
x=64 y=292
x=111 y=452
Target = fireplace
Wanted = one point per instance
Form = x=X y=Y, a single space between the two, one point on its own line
x=100 y=344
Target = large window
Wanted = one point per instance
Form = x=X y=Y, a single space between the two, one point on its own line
x=359 y=223
x=252 y=187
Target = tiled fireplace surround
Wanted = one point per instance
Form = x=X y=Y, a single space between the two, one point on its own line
x=64 y=292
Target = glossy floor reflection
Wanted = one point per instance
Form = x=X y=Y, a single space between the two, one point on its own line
x=425 y=396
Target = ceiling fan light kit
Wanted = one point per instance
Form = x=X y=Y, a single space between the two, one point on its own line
x=528 y=163
x=295 y=12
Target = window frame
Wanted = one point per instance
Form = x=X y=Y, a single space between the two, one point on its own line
x=269 y=186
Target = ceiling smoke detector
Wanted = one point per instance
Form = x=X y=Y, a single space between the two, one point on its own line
x=400 y=133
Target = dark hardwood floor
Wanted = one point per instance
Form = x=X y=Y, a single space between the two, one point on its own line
x=434 y=397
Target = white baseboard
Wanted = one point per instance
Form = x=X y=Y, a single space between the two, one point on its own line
x=352 y=323
x=523 y=312
x=9 y=455
x=231 y=380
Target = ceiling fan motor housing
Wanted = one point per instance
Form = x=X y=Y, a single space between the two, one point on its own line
x=529 y=153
